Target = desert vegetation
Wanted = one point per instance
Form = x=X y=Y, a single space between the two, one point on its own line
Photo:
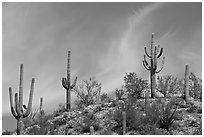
x=166 y=106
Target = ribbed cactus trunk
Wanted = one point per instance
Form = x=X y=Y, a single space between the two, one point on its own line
x=155 y=54
x=18 y=111
x=123 y=109
x=19 y=126
x=186 y=84
x=147 y=102
x=153 y=83
x=66 y=83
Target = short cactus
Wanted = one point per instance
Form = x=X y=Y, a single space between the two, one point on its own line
x=18 y=112
x=66 y=83
x=121 y=104
x=91 y=130
x=153 y=66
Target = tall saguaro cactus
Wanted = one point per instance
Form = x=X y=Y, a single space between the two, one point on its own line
x=155 y=54
x=66 y=83
x=18 y=111
x=186 y=84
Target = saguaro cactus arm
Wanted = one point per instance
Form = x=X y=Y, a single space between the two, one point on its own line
x=162 y=66
x=160 y=53
x=65 y=83
x=18 y=111
x=145 y=63
x=11 y=103
x=146 y=52
x=30 y=99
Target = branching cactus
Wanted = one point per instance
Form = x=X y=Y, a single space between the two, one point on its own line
x=156 y=52
x=66 y=83
x=186 y=84
x=121 y=104
x=20 y=111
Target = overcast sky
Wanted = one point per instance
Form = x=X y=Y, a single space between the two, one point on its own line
x=106 y=41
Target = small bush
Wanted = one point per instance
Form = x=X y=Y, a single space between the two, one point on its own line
x=87 y=92
x=90 y=120
x=161 y=114
x=135 y=85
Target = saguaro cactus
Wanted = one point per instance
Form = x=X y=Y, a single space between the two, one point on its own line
x=18 y=112
x=66 y=83
x=186 y=84
x=155 y=54
x=122 y=106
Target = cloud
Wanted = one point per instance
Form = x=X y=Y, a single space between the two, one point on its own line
x=124 y=53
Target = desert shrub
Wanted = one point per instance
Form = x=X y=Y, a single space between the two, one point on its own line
x=89 y=120
x=169 y=84
x=149 y=129
x=38 y=125
x=105 y=98
x=87 y=92
x=120 y=93
x=162 y=114
x=195 y=88
x=59 y=110
x=192 y=108
x=135 y=85
x=134 y=117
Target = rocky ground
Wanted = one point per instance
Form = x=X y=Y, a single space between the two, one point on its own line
x=101 y=119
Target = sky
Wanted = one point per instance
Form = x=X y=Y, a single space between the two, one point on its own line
x=106 y=40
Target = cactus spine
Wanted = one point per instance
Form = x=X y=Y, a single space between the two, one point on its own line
x=67 y=84
x=122 y=106
x=18 y=111
x=186 y=84
x=155 y=54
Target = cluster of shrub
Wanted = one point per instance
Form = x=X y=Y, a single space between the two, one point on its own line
x=157 y=118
